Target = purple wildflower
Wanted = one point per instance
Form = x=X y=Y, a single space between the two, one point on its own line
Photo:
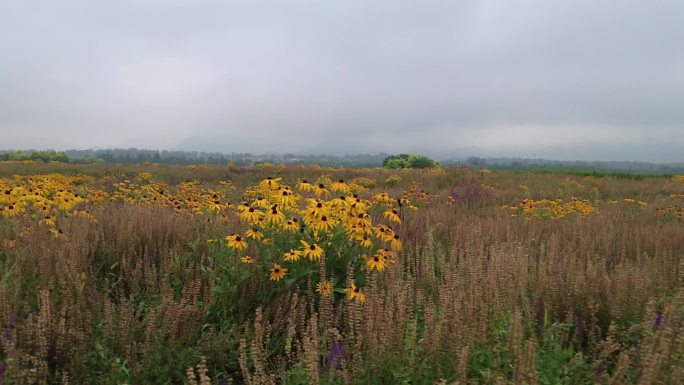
x=658 y=320
x=14 y=319
x=336 y=354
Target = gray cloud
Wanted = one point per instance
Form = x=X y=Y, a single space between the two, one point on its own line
x=522 y=78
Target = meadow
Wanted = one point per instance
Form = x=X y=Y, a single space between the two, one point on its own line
x=273 y=274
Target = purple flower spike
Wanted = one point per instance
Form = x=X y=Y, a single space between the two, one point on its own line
x=14 y=319
x=336 y=353
x=658 y=321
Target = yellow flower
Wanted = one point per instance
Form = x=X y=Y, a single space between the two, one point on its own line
x=10 y=211
x=277 y=272
x=236 y=242
x=376 y=262
x=384 y=232
x=316 y=209
x=291 y=225
x=396 y=243
x=386 y=254
x=320 y=190
x=270 y=183
x=292 y=255
x=274 y=217
x=8 y=243
x=341 y=187
x=251 y=215
x=254 y=233
x=286 y=199
x=355 y=293
x=324 y=288
x=304 y=185
x=247 y=259
x=392 y=215
x=312 y=251
x=261 y=203
x=214 y=204
x=365 y=241
x=323 y=224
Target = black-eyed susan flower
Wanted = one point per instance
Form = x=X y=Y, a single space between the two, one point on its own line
x=247 y=259
x=324 y=288
x=320 y=190
x=292 y=255
x=365 y=241
x=261 y=203
x=341 y=187
x=324 y=223
x=214 y=205
x=376 y=262
x=274 y=217
x=11 y=211
x=304 y=185
x=354 y=293
x=395 y=243
x=278 y=272
x=316 y=209
x=392 y=215
x=286 y=198
x=270 y=183
x=236 y=242
x=312 y=251
x=254 y=233
x=291 y=225
x=251 y=215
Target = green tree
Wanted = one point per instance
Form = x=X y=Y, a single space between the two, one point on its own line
x=408 y=161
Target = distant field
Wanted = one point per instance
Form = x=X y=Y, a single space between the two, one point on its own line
x=157 y=274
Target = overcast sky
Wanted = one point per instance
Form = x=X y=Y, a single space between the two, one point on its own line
x=562 y=79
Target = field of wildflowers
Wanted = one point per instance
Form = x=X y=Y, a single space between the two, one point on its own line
x=272 y=274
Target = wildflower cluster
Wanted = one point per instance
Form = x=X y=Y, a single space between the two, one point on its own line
x=530 y=209
x=317 y=230
x=47 y=198
x=676 y=212
x=631 y=201
x=186 y=197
